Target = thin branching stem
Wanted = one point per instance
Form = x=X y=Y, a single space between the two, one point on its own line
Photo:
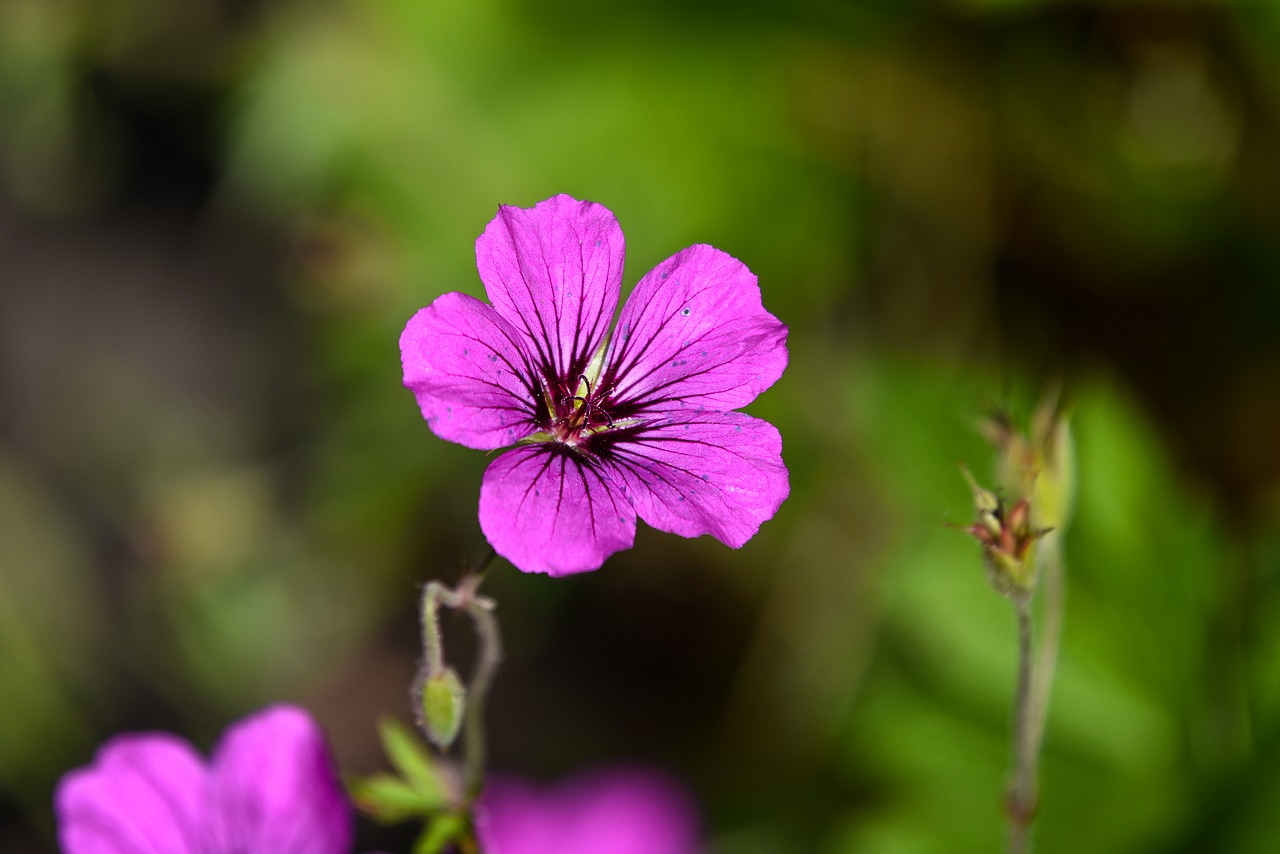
x=480 y=609
x=466 y=598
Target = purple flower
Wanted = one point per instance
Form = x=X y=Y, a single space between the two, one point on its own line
x=610 y=811
x=269 y=788
x=605 y=428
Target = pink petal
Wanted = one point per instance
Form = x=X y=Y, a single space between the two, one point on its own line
x=514 y=817
x=627 y=812
x=694 y=333
x=546 y=509
x=144 y=794
x=610 y=811
x=713 y=473
x=277 y=789
x=555 y=271
x=468 y=369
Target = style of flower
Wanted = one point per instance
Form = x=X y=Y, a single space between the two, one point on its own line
x=607 y=811
x=269 y=788
x=605 y=428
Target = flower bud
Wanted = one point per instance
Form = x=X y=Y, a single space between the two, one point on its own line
x=442 y=704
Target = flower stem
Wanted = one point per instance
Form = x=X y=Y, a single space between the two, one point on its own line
x=1031 y=702
x=480 y=609
x=1021 y=797
x=1050 y=637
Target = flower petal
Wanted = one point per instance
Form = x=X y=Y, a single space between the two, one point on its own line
x=607 y=811
x=714 y=473
x=546 y=509
x=277 y=789
x=555 y=271
x=627 y=811
x=514 y=817
x=694 y=333
x=144 y=794
x=468 y=369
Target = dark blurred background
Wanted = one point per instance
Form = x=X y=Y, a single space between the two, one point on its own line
x=217 y=215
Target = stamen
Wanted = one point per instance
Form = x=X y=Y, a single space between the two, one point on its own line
x=579 y=414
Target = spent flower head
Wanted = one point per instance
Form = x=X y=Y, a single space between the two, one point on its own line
x=1037 y=464
x=1008 y=540
x=270 y=787
x=603 y=428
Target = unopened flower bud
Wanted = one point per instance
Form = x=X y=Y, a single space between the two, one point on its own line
x=442 y=704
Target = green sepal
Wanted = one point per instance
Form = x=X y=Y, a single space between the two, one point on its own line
x=595 y=366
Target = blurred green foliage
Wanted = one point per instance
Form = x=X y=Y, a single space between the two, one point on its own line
x=215 y=218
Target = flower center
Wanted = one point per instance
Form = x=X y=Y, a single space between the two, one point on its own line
x=578 y=413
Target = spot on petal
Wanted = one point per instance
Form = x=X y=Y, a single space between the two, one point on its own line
x=684 y=312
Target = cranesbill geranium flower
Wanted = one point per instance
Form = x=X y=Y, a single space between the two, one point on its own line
x=605 y=811
x=604 y=428
x=269 y=788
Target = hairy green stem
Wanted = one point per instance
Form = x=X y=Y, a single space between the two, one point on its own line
x=433 y=646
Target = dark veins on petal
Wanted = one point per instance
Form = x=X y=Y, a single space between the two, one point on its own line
x=625 y=368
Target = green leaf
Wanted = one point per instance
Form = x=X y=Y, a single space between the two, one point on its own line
x=389 y=799
x=443 y=830
x=414 y=762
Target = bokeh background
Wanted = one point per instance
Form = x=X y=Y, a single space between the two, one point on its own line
x=217 y=215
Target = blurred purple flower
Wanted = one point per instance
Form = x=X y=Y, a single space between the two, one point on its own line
x=609 y=811
x=269 y=788
x=605 y=429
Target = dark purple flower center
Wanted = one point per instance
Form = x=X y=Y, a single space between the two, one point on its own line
x=577 y=410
